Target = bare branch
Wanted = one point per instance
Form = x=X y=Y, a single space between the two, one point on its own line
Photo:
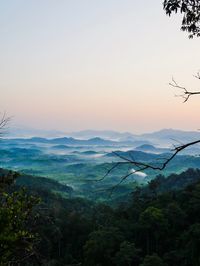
x=142 y=166
x=108 y=172
x=4 y=120
x=161 y=163
x=197 y=75
x=119 y=183
x=186 y=93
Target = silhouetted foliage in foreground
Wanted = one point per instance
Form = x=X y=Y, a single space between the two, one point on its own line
x=190 y=10
x=18 y=241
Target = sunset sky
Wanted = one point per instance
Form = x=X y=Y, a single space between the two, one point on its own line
x=96 y=64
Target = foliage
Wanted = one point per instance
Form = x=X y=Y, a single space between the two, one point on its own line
x=191 y=14
x=160 y=228
x=159 y=225
x=153 y=260
x=127 y=254
x=16 y=239
x=102 y=246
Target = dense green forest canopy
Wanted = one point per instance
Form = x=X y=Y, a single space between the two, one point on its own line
x=160 y=225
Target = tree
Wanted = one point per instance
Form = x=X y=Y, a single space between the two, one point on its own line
x=153 y=260
x=3 y=123
x=127 y=255
x=102 y=246
x=191 y=243
x=191 y=14
x=17 y=241
x=154 y=225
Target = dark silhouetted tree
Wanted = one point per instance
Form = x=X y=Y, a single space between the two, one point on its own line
x=190 y=9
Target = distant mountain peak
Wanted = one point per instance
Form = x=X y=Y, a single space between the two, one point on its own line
x=96 y=139
x=146 y=146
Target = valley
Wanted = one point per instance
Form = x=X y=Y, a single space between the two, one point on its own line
x=83 y=164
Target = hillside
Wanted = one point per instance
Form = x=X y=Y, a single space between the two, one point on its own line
x=169 y=219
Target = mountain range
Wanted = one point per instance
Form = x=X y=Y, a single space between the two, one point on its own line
x=163 y=138
x=69 y=141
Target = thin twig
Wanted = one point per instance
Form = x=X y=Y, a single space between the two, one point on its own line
x=186 y=93
x=142 y=166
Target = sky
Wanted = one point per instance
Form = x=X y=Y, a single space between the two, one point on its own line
x=89 y=64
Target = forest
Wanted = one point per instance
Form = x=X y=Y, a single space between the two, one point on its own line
x=157 y=226
x=129 y=200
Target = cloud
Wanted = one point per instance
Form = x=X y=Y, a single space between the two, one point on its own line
x=139 y=174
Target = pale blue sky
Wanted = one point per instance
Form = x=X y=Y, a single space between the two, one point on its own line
x=105 y=64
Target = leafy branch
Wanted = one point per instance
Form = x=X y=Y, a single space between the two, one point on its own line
x=190 y=9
